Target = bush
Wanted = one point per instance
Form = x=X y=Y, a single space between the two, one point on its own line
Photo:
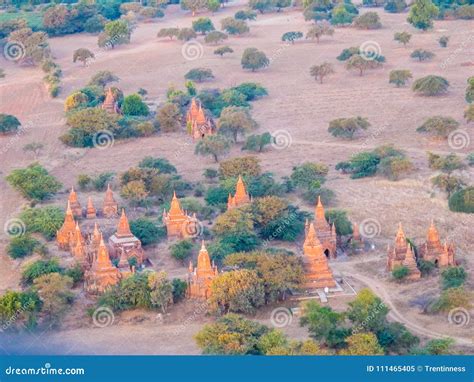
x=438 y=126
x=8 y=123
x=347 y=127
x=133 y=105
x=147 y=231
x=443 y=41
x=291 y=36
x=39 y=268
x=462 y=201
x=182 y=250
x=257 y=142
x=400 y=272
x=399 y=77
x=223 y=50
x=422 y=55
x=199 y=74
x=431 y=85
x=44 y=220
x=254 y=59
x=369 y=20
x=395 y=6
x=34 y=182
x=453 y=277
x=22 y=246
x=179 y=289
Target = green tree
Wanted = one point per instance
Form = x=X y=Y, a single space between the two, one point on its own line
x=320 y=29
x=422 y=55
x=203 y=25
x=214 y=145
x=103 y=78
x=321 y=71
x=193 y=5
x=147 y=231
x=8 y=123
x=400 y=272
x=438 y=126
x=260 y=5
x=257 y=142
x=360 y=63
x=215 y=37
x=54 y=291
x=34 y=182
x=321 y=321
x=347 y=127
x=399 y=77
x=235 y=121
x=199 y=74
x=182 y=250
x=223 y=50
x=369 y=20
x=245 y=15
x=161 y=290
x=422 y=13
x=186 y=34
x=19 y=309
x=22 y=246
x=363 y=344
x=462 y=200
x=291 y=36
x=453 y=277
x=340 y=220
x=402 y=37
x=82 y=55
x=233 y=26
x=168 y=32
x=115 y=33
x=44 y=220
x=133 y=105
x=169 y=117
x=431 y=85
x=254 y=59
x=367 y=312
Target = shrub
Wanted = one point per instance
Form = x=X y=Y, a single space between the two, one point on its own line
x=199 y=74
x=133 y=105
x=147 y=231
x=462 y=201
x=347 y=127
x=399 y=77
x=44 y=220
x=400 y=272
x=179 y=289
x=369 y=20
x=431 y=85
x=203 y=25
x=422 y=55
x=422 y=13
x=402 y=37
x=291 y=36
x=233 y=26
x=254 y=59
x=182 y=250
x=168 y=117
x=223 y=50
x=453 y=277
x=215 y=37
x=8 y=123
x=39 y=268
x=395 y=6
x=34 y=182
x=443 y=41
x=22 y=246
x=438 y=126
x=321 y=71
x=245 y=15
x=257 y=142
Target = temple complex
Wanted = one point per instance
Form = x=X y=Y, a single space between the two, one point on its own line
x=91 y=212
x=110 y=104
x=197 y=123
x=200 y=278
x=124 y=243
x=317 y=271
x=178 y=223
x=103 y=274
x=325 y=232
x=74 y=203
x=67 y=230
x=110 y=206
x=397 y=254
x=241 y=196
x=433 y=250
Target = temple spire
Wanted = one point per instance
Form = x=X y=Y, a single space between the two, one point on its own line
x=123 y=228
x=319 y=211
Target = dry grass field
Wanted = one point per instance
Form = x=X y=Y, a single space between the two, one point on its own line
x=296 y=104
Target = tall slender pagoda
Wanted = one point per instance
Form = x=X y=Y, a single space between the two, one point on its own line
x=178 y=223
x=325 y=232
x=433 y=250
x=67 y=230
x=241 y=196
x=200 y=278
x=110 y=206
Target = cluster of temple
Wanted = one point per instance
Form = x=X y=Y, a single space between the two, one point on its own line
x=91 y=252
x=403 y=254
x=198 y=124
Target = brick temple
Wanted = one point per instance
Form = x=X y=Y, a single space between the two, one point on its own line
x=200 y=277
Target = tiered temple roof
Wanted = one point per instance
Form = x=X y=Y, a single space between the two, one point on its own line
x=67 y=230
x=178 y=223
x=199 y=125
x=433 y=250
x=317 y=271
x=325 y=232
x=241 y=196
x=397 y=254
x=91 y=212
x=410 y=263
x=110 y=206
x=200 y=278
x=74 y=203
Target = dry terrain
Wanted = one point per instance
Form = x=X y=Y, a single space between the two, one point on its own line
x=296 y=104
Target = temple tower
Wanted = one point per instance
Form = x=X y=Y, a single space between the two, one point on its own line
x=67 y=230
x=241 y=196
x=325 y=232
x=91 y=212
x=110 y=206
x=178 y=223
x=74 y=203
x=433 y=250
x=200 y=278
x=198 y=125
x=110 y=104
x=410 y=263
x=397 y=254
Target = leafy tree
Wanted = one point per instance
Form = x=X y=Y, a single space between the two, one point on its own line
x=214 y=145
x=213 y=5
x=393 y=167
x=443 y=41
x=470 y=90
x=422 y=54
x=321 y=28
x=193 y=5
x=340 y=220
x=231 y=334
x=8 y=123
x=233 y=26
x=76 y=100
x=237 y=291
x=254 y=59
x=363 y=344
x=203 y=25
x=369 y=20
x=168 y=117
x=82 y=55
x=35 y=44
x=34 y=182
x=431 y=85
x=133 y=105
x=251 y=90
x=39 y=268
x=447 y=164
x=291 y=36
x=308 y=173
x=348 y=53
x=395 y=338
x=400 y=272
x=437 y=347
x=19 y=309
x=199 y=74
x=103 y=78
x=161 y=290
x=55 y=295
x=161 y=164
x=260 y=5
x=469 y=113
x=179 y=289
x=215 y=37
x=182 y=250
x=44 y=220
x=399 y=77
x=321 y=321
x=95 y=24
x=147 y=231
x=235 y=121
x=168 y=32
x=248 y=166
x=340 y=15
x=321 y=71
x=115 y=33
x=245 y=15
x=402 y=37
x=367 y=312
x=452 y=298
x=453 y=277
x=257 y=142
x=21 y=246
x=360 y=63
x=223 y=50
x=186 y=34
x=135 y=191
x=395 y=6
x=279 y=4
x=422 y=13
x=438 y=126
x=347 y=127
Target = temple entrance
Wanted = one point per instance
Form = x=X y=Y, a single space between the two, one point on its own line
x=326 y=252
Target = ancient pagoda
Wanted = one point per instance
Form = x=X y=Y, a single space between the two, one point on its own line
x=433 y=250
x=410 y=263
x=91 y=212
x=110 y=206
x=396 y=254
x=241 y=196
x=325 y=232
x=103 y=274
x=124 y=243
x=74 y=203
x=67 y=230
x=178 y=223
x=317 y=272
x=110 y=104
x=79 y=250
x=200 y=278
x=197 y=123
